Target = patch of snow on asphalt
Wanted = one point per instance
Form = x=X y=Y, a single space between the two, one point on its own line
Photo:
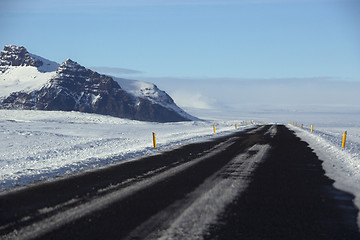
x=205 y=210
x=215 y=194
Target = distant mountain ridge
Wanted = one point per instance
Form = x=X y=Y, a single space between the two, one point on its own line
x=73 y=87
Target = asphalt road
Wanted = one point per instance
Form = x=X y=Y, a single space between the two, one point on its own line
x=262 y=183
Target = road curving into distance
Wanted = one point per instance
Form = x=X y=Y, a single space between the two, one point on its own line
x=260 y=183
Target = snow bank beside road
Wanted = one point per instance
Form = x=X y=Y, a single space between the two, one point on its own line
x=341 y=165
x=36 y=145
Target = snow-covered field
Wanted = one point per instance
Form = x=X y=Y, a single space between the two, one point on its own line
x=37 y=145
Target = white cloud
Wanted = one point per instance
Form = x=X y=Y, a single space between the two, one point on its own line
x=114 y=70
x=188 y=99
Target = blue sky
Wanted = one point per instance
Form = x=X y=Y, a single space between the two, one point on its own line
x=191 y=41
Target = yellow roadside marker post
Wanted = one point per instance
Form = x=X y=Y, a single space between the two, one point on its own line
x=344 y=140
x=154 y=140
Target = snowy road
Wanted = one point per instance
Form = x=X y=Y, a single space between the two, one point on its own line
x=255 y=184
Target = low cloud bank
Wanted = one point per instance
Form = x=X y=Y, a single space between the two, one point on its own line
x=296 y=95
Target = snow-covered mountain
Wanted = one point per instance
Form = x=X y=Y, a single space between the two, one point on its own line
x=28 y=81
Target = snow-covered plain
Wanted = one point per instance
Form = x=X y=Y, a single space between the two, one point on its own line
x=38 y=145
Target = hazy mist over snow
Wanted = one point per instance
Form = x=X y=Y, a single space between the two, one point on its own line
x=239 y=96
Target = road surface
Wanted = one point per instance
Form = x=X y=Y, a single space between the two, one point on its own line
x=261 y=183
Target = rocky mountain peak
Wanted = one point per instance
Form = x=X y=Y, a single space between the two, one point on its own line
x=70 y=66
x=17 y=56
x=68 y=63
x=72 y=73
